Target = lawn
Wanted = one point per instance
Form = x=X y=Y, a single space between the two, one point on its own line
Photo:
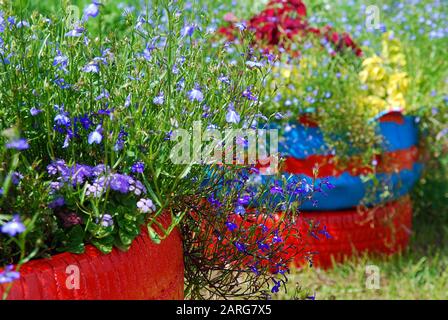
x=421 y=272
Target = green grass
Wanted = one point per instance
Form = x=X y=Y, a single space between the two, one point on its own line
x=421 y=272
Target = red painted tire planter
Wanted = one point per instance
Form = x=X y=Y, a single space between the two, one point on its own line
x=147 y=271
x=382 y=230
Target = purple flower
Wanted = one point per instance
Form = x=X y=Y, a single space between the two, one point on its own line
x=262 y=246
x=328 y=184
x=18 y=144
x=146 y=205
x=56 y=166
x=254 y=64
x=138 y=167
x=61 y=119
x=244 y=200
x=224 y=79
x=213 y=201
x=313 y=297
x=60 y=82
x=240 y=210
x=138 y=188
x=13 y=227
x=254 y=270
x=91 y=67
x=276 y=286
x=147 y=52
x=58 y=202
x=34 y=111
x=16 y=177
x=278 y=116
x=103 y=95
x=79 y=173
x=8 y=275
x=107 y=220
x=240 y=246
x=159 y=99
x=60 y=61
x=248 y=94
x=188 y=30
x=231 y=226
x=91 y=11
x=95 y=136
x=195 y=94
x=95 y=190
x=12 y=21
x=276 y=238
x=325 y=232
x=99 y=169
x=127 y=102
x=85 y=121
x=276 y=189
x=232 y=116
x=168 y=135
x=120 y=183
x=76 y=32
x=119 y=144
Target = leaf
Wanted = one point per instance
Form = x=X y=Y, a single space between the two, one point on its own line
x=105 y=245
x=125 y=237
x=118 y=244
x=154 y=235
x=74 y=240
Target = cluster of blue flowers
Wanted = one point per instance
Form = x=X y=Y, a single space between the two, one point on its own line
x=97 y=179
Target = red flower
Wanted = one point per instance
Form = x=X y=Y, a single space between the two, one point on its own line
x=283 y=20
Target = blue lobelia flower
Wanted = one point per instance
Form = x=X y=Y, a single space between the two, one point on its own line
x=95 y=136
x=231 y=226
x=240 y=210
x=76 y=32
x=91 y=11
x=147 y=52
x=159 y=99
x=138 y=167
x=249 y=95
x=91 y=67
x=13 y=227
x=195 y=94
x=188 y=30
x=276 y=286
x=240 y=246
x=8 y=275
x=107 y=220
x=60 y=61
x=18 y=144
x=232 y=116
x=34 y=111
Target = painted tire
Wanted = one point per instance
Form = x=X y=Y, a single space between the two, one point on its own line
x=303 y=147
x=147 y=271
x=382 y=230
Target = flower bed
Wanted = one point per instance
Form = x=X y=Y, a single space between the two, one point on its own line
x=129 y=102
x=146 y=271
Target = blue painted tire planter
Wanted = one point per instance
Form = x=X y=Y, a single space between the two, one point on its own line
x=300 y=143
